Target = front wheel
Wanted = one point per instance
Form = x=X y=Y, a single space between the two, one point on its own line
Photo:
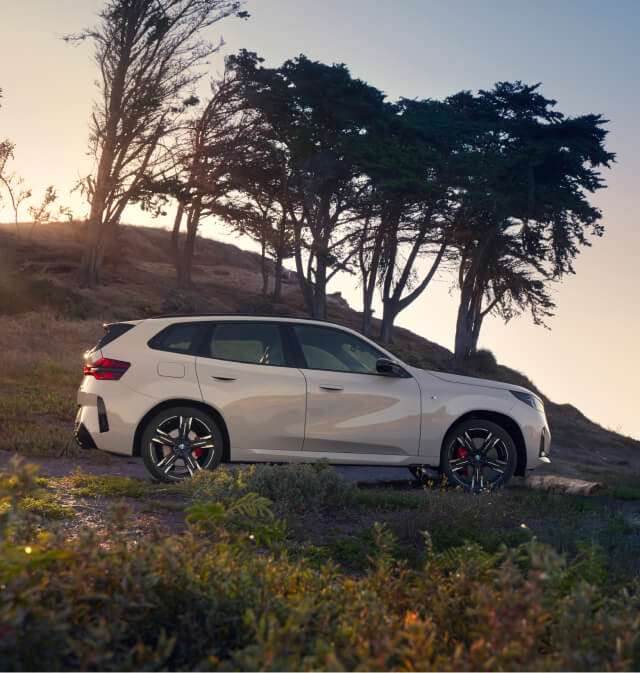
x=180 y=441
x=478 y=454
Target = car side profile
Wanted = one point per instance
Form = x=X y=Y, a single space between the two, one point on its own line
x=189 y=392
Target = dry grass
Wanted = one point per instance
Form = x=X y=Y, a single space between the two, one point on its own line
x=31 y=337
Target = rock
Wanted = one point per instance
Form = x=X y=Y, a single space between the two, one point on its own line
x=556 y=484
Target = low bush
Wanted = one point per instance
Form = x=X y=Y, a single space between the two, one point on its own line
x=291 y=488
x=484 y=361
x=91 y=486
x=623 y=492
x=393 y=500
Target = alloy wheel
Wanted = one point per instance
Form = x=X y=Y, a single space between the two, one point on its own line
x=180 y=446
x=476 y=458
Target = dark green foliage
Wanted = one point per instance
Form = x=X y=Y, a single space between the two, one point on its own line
x=316 y=115
x=624 y=492
x=386 y=499
x=484 y=361
x=526 y=171
x=292 y=488
x=446 y=536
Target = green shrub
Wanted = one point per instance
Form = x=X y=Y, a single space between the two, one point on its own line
x=91 y=486
x=292 y=488
x=46 y=506
x=624 y=492
x=387 y=499
x=484 y=361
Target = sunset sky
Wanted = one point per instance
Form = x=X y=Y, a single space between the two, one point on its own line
x=585 y=53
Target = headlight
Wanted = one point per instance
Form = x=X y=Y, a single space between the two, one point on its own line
x=530 y=399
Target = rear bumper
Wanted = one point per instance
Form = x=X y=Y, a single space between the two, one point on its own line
x=84 y=438
x=100 y=426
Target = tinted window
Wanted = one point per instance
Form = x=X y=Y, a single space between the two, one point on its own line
x=112 y=332
x=255 y=343
x=334 y=350
x=179 y=338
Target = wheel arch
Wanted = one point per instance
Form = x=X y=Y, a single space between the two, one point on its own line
x=179 y=402
x=505 y=422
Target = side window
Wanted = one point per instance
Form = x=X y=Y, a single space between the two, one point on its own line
x=179 y=338
x=335 y=350
x=251 y=342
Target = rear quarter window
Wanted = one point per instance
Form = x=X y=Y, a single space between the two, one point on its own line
x=180 y=338
x=112 y=332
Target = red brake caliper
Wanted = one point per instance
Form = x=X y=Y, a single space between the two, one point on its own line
x=198 y=452
x=461 y=452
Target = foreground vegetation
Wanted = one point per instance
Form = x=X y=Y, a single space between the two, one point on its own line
x=321 y=575
x=111 y=573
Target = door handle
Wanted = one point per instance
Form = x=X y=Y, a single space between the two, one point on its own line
x=330 y=386
x=223 y=378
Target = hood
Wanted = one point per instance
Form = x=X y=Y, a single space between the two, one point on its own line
x=473 y=381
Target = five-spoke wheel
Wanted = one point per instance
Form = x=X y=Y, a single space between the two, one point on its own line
x=478 y=454
x=179 y=441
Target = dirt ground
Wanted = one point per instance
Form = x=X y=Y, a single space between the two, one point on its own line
x=105 y=464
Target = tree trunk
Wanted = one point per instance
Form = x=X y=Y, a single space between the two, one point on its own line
x=472 y=291
x=305 y=287
x=263 y=268
x=367 y=315
x=93 y=254
x=469 y=320
x=175 y=238
x=186 y=265
x=320 y=289
x=369 y=274
x=277 y=278
x=280 y=252
x=464 y=335
x=386 y=331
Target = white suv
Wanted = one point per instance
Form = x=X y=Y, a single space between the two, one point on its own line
x=187 y=392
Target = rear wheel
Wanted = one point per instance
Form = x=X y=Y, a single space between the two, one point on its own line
x=180 y=441
x=478 y=454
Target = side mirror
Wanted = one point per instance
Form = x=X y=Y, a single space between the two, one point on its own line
x=388 y=367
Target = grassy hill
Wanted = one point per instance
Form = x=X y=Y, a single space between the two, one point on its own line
x=45 y=318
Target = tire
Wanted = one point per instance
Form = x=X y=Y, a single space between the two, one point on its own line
x=179 y=441
x=478 y=454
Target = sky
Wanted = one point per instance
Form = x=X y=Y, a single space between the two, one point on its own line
x=584 y=53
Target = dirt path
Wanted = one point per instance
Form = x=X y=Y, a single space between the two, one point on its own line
x=99 y=463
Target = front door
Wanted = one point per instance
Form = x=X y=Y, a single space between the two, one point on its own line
x=351 y=408
x=244 y=373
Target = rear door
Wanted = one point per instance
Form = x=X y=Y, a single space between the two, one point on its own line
x=351 y=408
x=245 y=372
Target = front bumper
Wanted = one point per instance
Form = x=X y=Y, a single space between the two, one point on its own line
x=545 y=446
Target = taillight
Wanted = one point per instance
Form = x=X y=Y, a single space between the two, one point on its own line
x=104 y=368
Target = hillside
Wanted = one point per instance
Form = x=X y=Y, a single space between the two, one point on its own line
x=43 y=315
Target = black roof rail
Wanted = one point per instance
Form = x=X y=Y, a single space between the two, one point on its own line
x=235 y=315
